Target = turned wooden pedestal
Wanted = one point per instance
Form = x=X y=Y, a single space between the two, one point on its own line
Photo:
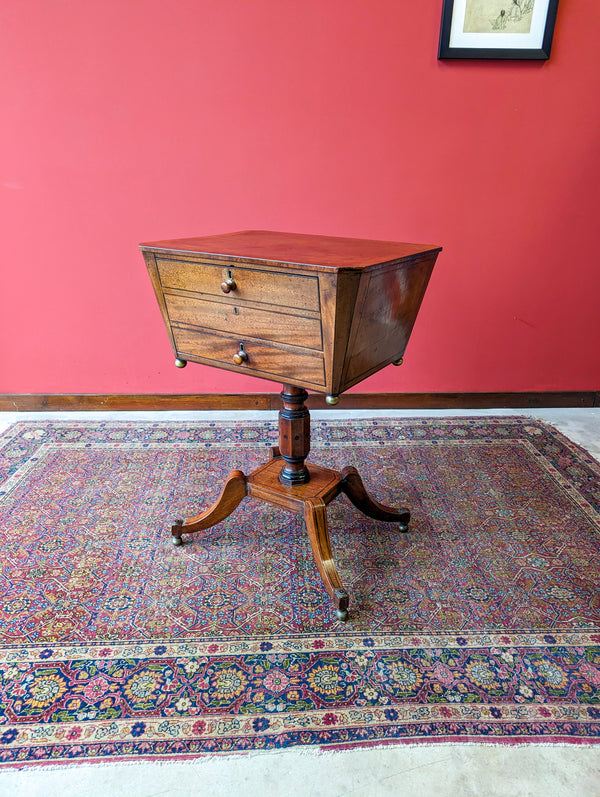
x=289 y=482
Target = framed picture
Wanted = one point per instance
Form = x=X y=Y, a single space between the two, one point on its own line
x=503 y=29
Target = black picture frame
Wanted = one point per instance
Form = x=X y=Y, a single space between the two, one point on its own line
x=490 y=49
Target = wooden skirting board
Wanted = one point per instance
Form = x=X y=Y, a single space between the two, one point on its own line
x=38 y=402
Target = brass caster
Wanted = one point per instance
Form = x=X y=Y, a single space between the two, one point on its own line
x=398 y=362
x=176 y=532
x=332 y=400
x=342 y=599
x=180 y=363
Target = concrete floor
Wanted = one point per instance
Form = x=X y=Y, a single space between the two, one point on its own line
x=467 y=770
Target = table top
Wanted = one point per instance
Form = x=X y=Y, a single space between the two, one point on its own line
x=295 y=248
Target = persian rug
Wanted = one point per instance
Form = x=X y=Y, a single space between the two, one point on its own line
x=480 y=624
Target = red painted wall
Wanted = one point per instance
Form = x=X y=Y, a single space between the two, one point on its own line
x=132 y=120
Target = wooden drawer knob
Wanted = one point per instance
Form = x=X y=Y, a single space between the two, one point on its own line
x=228 y=285
x=241 y=356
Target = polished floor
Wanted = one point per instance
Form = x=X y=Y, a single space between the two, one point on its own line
x=466 y=770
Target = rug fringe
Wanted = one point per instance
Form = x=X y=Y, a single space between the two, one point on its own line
x=312 y=751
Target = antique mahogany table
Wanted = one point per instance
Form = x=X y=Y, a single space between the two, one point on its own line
x=307 y=310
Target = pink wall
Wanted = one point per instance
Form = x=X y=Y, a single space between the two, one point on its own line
x=133 y=120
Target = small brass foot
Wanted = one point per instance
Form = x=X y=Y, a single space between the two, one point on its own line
x=176 y=530
x=342 y=599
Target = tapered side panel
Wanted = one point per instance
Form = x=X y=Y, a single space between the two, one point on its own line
x=150 y=260
x=338 y=292
x=386 y=309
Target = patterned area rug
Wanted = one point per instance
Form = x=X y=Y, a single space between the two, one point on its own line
x=482 y=623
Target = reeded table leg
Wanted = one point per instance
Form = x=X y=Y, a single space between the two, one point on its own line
x=231 y=495
x=354 y=488
x=315 y=516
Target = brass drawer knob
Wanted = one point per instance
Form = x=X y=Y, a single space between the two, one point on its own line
x=228 y=285
x=241 y=356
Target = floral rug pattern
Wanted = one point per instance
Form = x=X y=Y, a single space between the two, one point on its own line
x=481 y=623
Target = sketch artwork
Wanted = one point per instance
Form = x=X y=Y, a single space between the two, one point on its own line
x=498 y=16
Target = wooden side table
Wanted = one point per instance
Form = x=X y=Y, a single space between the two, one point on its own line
x=310 y=311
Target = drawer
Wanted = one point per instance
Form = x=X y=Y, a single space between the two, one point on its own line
x=243 y=321
x=271 y=287
x=263 y=360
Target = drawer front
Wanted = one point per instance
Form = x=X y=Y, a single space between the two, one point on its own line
x=245 y=321
x=271 y=287
x=262 y=360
